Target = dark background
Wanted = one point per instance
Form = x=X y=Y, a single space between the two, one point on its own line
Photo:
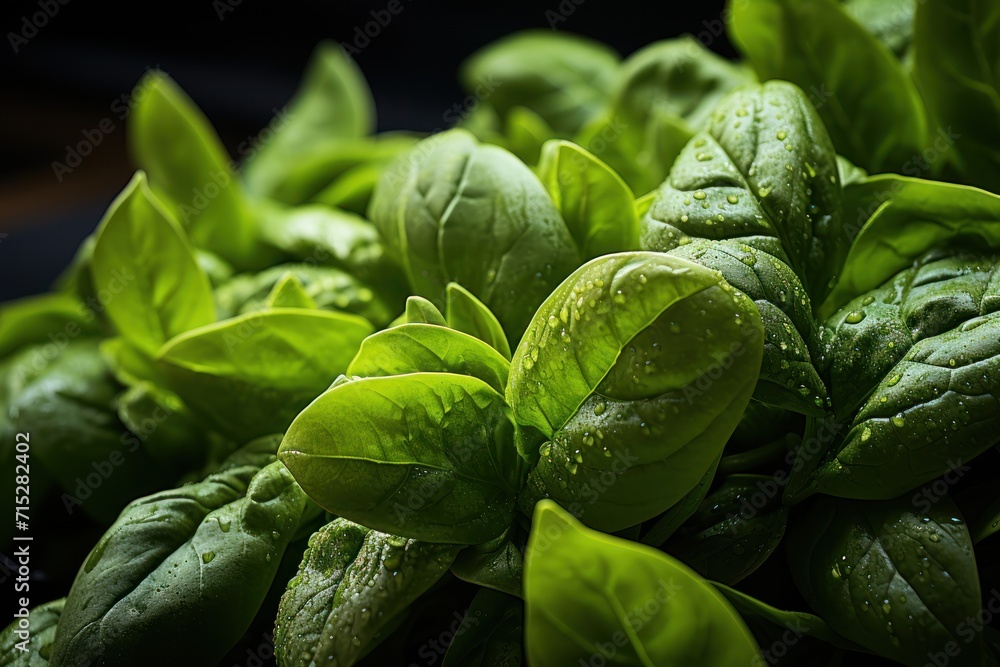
x=239 y=62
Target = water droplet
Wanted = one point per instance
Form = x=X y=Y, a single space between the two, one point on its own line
x=855 y=316
x=600 y=408
x=733 y=199
x=208 y=557
x=894 y=380
x=700 y=195
x=764 y=192
x=899 y=420
x=865 y=434
x=781 y=136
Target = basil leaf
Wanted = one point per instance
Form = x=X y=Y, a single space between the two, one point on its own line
x=563 y=78
x=191 y=171
x=800 y=622
x=426 y=455
x=764 y=173
x=323 y=164
x=961 y=36
x=290 y=293
x=67 y=404
x=333 y=102
x=933 y=411
x=38 y=319
x=421 y=311
x=457 y=211
x=788 y=375
x=143 y=259
x=332 y=289
x=603 y=370
x=679 y=77
x=321 y=237
x=469 y=315
x=916 y=217
x=585 y=590
x=497 y=564
x=490 y=634
x=667 y=524
x=199 y=558
x=250 y=375
x=426 y=348
x=526 y=131
x=867 y=100
x=593 y=200
x=889 y=21
x=351 y=585
x=728 y=538
x=899 y=580
x=36 y=640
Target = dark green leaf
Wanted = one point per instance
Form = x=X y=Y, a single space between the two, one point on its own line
x=898 y=580
x=351 y=585
x=636 y=369
x=197 y=560
x=469 y=315
x=458 y=211
x=585 y=591
x=424 y=455
x=490 y=634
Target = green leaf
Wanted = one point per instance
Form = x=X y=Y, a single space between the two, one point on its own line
x=290 y=293
x=169 y=431
x=352 y=190
x=497 y=564
x=668 y=523
x=636 y=389
x=730 y=536
x=333 y=102
x=664 y=92
x=914 y=216
x=774 y=188
x=67 y=403
x=39 y=319
x=197 y=560
x=565 y=79
x=801 y=622
x=42 y=622
x=596 y=204
x=191 y=171
x=426 y=455
x=352 y=584
x=788 y=376
x=428 y=348
x=586 y=591
x=469 y=315
x=421 y=311
x=955 y=65
x=458 y=211
x=323 y=164
x=331 y=289
x=929 y=413
x=144 y=262
x=490 y=634
x=896 y=578
x=889 y=21
x=249 y=376
x=679 y=77
x=322 y=236
x=866 y=98
x=641 y=152
x=526 y=131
